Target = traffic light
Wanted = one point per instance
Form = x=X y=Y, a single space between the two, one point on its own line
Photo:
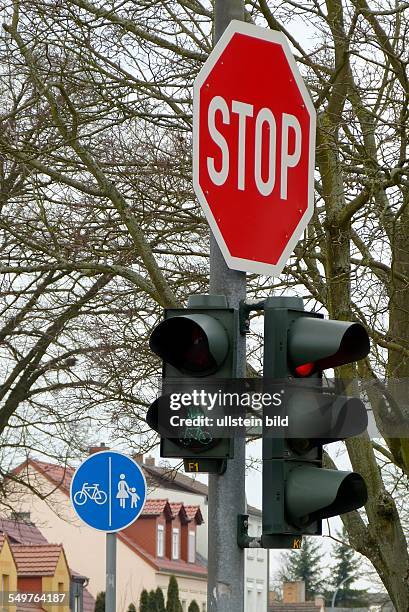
x=298 y=493
x=195 y=344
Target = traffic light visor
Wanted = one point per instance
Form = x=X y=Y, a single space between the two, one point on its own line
x=193 y=344
x=352 y=494
x=313 y=494
x=325 y=343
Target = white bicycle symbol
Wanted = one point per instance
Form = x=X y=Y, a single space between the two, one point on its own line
x=90 y=492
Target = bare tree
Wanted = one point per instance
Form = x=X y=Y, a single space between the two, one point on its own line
x=99 y=228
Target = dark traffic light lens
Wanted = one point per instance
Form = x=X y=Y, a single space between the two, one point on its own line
x=184 y=344
x=195 y=354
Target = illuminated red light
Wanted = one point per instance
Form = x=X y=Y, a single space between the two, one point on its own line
x=305 y=369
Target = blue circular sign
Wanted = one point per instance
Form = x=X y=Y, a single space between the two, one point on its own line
x=108 y=491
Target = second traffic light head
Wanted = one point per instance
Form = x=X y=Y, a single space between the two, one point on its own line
x=316 y=344
x=194 y=344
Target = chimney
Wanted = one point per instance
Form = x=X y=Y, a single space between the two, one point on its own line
x=23 y=517
x=138 y=457
x=97 y=449
x=294 y=592
x=150 y=461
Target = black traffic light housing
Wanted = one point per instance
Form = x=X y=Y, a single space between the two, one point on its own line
x=298 y=493
x=195 y=343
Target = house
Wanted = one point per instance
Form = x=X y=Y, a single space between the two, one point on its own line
x=143 y=560
x=161 y=543
x=178 y=541
x=35 y=565
x=294 y=600
x=43 y=568
x=169 y=483
x=8 y=571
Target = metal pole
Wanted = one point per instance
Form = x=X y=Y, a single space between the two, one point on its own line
x=336 y=593
x=225 y=589
x=268 y=579
x=110 y=585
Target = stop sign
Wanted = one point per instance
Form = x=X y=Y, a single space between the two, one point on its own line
x=253 y=148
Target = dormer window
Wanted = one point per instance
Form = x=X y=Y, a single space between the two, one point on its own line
x=191 y=554
x=175 y=543
x=160 y=541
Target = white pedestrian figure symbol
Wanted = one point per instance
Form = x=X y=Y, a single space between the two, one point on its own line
x=123 y=491
x=134 y=497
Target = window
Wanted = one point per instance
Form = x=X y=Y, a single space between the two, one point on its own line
x=191 y=555
x=203 y=607
x=250 y=553
x=24 y=517
x=184 y=605
x=61 y=587
x=160 y=541
x=5 y=583
x=175 y=543
x=250 y=595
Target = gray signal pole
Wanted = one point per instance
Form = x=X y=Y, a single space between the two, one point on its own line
x=110 y=584
x=225 y=587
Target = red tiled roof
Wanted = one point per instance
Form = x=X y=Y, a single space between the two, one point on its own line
x=62 y=476
x=165 y=565
x=155 y=506
x=194 y=512
x=172 y=477
x=175 y=508
x=182 y=567
x=33 y=560
x=22 y=533
x=59 y=475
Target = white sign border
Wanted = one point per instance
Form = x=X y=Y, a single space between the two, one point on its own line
x=236 y=263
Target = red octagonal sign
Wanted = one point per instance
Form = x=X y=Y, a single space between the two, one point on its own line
x=253 y=148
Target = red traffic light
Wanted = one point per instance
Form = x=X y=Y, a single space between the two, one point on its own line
x=306 y=369
x=314 y=342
